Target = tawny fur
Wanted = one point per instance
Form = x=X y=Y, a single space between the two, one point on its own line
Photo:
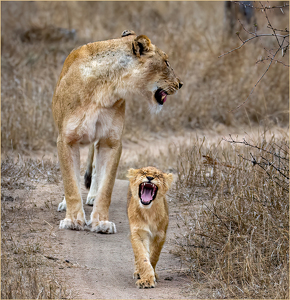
x=89 y=108
x=148 y=223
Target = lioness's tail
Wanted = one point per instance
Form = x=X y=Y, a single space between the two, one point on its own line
x=88 y=174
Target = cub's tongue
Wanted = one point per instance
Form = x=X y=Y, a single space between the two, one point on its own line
x=146 y=195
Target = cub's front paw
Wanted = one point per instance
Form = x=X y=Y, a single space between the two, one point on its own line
x=104 y=227
x=146 y=283
x=69 y=224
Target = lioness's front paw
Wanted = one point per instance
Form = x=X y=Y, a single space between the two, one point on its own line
x=62 y=205
x=104 y=227
x=90 y=200
x=136 y=275
x=145 y=283
x=69 y=224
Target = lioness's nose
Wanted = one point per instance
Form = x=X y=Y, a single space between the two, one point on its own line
x=180 y=84
x=149 y=178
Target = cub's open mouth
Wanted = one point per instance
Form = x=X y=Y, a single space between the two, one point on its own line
x=147 y=192
x=160 y=96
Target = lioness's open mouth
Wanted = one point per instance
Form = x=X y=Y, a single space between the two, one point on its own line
x=160 y=96
x=147 y=192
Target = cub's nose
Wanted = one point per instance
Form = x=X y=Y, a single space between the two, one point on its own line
x=149 y=178
x=180 y=84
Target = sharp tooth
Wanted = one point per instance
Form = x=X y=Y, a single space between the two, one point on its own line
x=163 y=97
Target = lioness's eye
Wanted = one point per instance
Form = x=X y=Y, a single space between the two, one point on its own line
x=167 y=64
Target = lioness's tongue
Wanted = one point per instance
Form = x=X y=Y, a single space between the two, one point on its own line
x=163 y=96
x=146 y=196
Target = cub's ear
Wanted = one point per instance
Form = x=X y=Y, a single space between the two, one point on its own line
x=131 y=173
x=128 y=32
x=169 y=179
x=141 y=45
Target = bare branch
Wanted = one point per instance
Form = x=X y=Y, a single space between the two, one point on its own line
x=275 y=60
x=270 y=25
x=244 y=142
x=281 y=39
x=277 y=162
x=272 y=165
x=264 y=8
x=256 y=83
x=254 y=37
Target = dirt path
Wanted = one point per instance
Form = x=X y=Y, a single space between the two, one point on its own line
x=97 y=266
x=102 y=265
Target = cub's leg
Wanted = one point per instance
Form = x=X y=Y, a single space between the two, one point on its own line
x=155 y=250
x=143 y=267
x=69 y=158
x=107 y=155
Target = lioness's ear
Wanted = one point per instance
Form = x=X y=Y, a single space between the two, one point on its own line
x=128 y=32
x=141 y=45
x=131 y=173
x=169 y=179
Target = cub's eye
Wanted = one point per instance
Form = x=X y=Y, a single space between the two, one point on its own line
x=167 y=63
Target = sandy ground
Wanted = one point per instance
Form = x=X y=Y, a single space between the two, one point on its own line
x=91 y=265
x=104 y=263
x=98 y=266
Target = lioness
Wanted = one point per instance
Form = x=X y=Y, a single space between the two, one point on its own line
x=148 y=218
x=89 y=108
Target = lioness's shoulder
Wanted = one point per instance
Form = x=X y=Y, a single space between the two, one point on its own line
x=90 y=49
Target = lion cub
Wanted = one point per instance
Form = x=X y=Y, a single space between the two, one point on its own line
x=148 y=218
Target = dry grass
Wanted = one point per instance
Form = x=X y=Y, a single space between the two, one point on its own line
x=165 y=161
x=235 y=239
x=15 y=172
x=235 y=219
x=23 y=263
x=21 y=273
x=192 y=33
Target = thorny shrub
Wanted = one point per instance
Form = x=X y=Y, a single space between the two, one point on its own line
x=236 y=217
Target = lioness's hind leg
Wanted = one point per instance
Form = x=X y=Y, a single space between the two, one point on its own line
x=90 y=160
x=91 y=176
x=107 y=160
x=62 y=205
